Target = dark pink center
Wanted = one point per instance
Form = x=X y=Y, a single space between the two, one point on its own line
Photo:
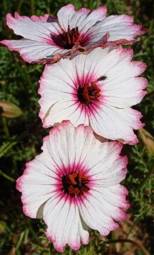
x=75 y=184
x=67 y=40
x=88 y=93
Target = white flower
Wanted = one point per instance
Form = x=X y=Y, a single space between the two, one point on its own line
x=74 y=185
x=45 y=37
x=97 y=89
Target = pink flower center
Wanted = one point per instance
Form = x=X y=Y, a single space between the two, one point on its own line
x=67 y=40
x=75 y=184
x=88 y=93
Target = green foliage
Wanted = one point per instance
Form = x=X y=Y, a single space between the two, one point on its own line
x=140 y=182
x=22 y=138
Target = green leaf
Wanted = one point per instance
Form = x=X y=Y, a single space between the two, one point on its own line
x=5 y=147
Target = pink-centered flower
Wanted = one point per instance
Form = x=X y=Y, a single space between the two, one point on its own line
x=49 y=37
x=97 y=89
x=74 y=184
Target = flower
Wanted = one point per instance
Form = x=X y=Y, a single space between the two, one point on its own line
x=75 y=184
x=97 y=89
x=51 y=38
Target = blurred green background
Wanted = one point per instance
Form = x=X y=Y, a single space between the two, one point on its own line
x=21 y=138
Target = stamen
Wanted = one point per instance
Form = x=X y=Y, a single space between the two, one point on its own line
x=88 y=93
x=67 y=39
x=75 y=184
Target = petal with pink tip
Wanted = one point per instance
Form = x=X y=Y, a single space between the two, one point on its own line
x=31 y=51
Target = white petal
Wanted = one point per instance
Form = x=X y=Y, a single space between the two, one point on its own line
x=118 y=57
x=36 y=185
x=94 y=215
x=117 y=27
x=58 y=77
x=64 y=16
x=60 y=216
x=102 y=162
x=118 y=200
x=39 y=18
x=120 y=27
x=63 y=110
x=33 y=17
x=103 y=210
x=84 y=144
x=122 y=129
x=31 y=51
x=131 y=69
x=85 y=19
x=125 y=93
x=72 y=144
x=61 y=105
x=29 y=29
x=108 y=170
x=87 y=65
x=64 y=139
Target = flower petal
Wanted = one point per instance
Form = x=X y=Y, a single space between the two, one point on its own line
x=94 y=215
x=64 y=16
x=101 y=163
x=62 y=101
x=104 y=207
x=84 y=19
x=121 y=27
x=31 y=51
x=30 y=29
x=60 y=216
x=36 y=185
x=123 y=124
x=33 y=17
x=125 y=93
x=63 y=110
